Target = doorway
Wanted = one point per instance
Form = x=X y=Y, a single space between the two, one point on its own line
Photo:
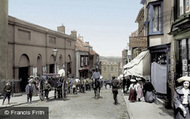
x=51 y=68
x=23 y=74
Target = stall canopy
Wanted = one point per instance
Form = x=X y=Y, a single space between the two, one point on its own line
x=139 y=66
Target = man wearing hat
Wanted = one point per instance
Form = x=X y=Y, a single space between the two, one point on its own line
x=115 y=87
x=182 y=99
x=7 y=92
x=29 y=91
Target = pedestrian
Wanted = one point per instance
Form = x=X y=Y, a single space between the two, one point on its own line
x=128 y=83
x=182 y=99
x=7 y=92
x=148 y=92
x=59 y=88
x=96 y=76
x=132 y=91
x=82 y=89
x=115 y=87
x=29 y=91
x=71 y=83
x=47 y=88
x=74 y=86
x=139 y=89
x=124 y=83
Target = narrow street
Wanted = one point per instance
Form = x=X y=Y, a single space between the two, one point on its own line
x=84 y=106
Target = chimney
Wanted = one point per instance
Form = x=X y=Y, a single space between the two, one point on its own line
x=80 y=37
x=87 y=43
x=74 y=33
x=61 y=29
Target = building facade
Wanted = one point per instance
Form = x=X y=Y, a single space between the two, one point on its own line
x=109 y=69
x=158 y=16
x=30 y=51
x=3 y=41
x=124 y=57
x=138 y=39
x=180 y=30
x=86 y=59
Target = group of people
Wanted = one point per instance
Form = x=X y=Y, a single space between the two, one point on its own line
x=29 y=89
x=75 y=84
x=139 y=89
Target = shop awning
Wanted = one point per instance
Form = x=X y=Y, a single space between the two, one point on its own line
x=139 y=66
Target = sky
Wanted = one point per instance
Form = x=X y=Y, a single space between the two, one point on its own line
x=105 y=24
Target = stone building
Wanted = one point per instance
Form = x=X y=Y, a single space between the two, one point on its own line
x=30 y=51
x=3 y=41
x=124 y=57
x=86 y=58
x=109 y=69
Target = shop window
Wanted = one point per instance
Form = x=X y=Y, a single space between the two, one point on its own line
x=155 y=18
x=185 y=56
x=184 y=6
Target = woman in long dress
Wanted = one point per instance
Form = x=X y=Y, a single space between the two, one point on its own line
x=132 y=91
x=139 y=89
x=148 y=92
x=182 y=100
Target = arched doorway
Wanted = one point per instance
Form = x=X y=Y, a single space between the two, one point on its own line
x=69 y=66
x=23 y=71
x=51 y=64
x=39 y=65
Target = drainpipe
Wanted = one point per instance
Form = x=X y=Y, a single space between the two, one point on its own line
x=168 y=98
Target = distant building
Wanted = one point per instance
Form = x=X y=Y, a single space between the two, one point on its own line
x=124 y=57
x=109 y=69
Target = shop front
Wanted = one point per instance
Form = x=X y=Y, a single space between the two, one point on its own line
x=160 y=72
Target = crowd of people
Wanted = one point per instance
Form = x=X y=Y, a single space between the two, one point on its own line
x=138 y=88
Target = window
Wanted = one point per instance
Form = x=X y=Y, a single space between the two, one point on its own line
x=52 y=40
x=86 y=60
x=185 y=56
x=112 y=69
x=155 y=18
x=81 y=61
x=184 y=6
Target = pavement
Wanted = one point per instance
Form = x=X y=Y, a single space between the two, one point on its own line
x=21 y=98
x=136 y=110
x=144 y=110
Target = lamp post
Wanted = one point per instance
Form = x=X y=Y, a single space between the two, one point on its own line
x=55 y=55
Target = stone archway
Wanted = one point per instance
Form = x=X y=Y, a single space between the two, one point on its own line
x=39 y=65
x=51 y=64
x=24 y=64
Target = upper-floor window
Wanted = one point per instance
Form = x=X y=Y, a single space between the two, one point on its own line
x=52 y=39
x=84 y=60
x=81 y=61
x=155 y=18
x=112 y=69
x=184 y=6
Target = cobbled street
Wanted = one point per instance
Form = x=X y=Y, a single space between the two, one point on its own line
x=85 y=106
